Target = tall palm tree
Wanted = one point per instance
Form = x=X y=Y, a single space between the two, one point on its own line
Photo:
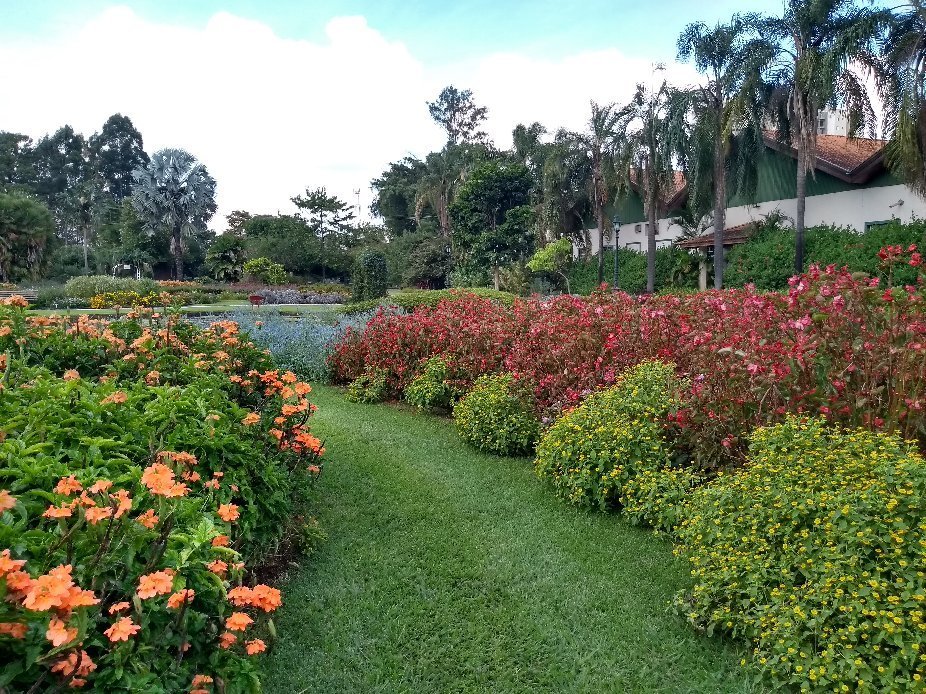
x=648 y=135
x=598 y=146
x=443 y=174
x=567 y=204
x=818 y=48
x=722 y=117
x=904 y=60
x=174 y=190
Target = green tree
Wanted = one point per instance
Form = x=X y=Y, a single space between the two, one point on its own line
x=396 y=194
x=492 y=217
x=566 y=189
x=116 y=152
x=904 y=90
x=443 y=173
x=648 y=137
x=225 y=258
x=61 y=170
x=176 y=192
x=428 y=263
x=16 y=167
x=370 y=276
x=722 y=116
x=26 y=228
x=816 y=44
x=457 y=113
x=329 y=217
x=555 y=258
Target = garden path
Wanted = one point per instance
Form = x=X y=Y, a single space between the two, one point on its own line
x=446 y=570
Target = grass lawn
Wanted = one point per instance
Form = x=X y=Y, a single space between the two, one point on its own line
x=450 y=571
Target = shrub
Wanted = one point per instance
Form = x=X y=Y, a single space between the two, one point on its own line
x=432 y=387
x=591 y=453
x=327 y=288
x=56 y=297
x=133 y=299
x=88 y=286
x=143 y=468
x=675 y=269
x=410 y=299
x=358 y=307
x=298 y=296
x=266 y=271
x=815 y=553
x=657 y=497
x=497 y=416
x=369 y=387
x=370 y=276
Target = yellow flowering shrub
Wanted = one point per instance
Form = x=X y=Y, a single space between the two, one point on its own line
x=593 y=451
x=657 y=497
x=497 y=416
x=816 y=552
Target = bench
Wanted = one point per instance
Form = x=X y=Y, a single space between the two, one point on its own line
x=29 y=295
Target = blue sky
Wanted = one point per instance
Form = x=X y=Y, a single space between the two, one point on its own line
x=436 y=31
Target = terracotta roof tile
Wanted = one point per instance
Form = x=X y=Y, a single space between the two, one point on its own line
x=732 y=236
x=842 y=155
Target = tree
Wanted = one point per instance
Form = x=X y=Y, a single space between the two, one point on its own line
x=556 y=258
x=428 y=263
x=457 y=113
x=62 y=168
x=15 y=161
x=491 y=217
x=175 y=191
x=817 y=46
x=722 y=117
x=443 y=173
x=648 y=137
x=237 y=221
x=904 y=91
x=567 y=205
x=396 y=194
x=26 y=227
x=598 y=144
x=370 y=276
x=225 y=258
x=327 y=215
x=116 y=152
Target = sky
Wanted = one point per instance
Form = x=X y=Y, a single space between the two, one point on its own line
x=275 y=96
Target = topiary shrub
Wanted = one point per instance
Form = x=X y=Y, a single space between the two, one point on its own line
x=370 y=276
x=657 y=498
x=369 y=387
x=815 y=552
x=432 y=388
x=497 y=416
x=593 y=451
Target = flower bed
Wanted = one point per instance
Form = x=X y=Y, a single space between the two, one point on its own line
x=147 y=468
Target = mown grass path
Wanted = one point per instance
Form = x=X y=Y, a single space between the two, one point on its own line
x=450 y=571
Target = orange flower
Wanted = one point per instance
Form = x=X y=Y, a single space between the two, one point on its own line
x=68 y=485
x=125 y=502
x=158 y=478
x=118 y=398
x=58 y=511
x=211 y=484
x=119 y=607
x=153 y=378
x=287 y=392
x=122 y=630
x=314 y=469
x=72 y=664
x=201 y=680
x=14 y=629
x=176 y=490
x=266 y=598
x=6 y=501
x=191 y=476
x=77 y=597
x=8 y=565
x=157 y=583
x=218 y=541
x=255 y=646
x=227 y=639
x=238 y=621
x=228 y=512
x=250 y=418
x=59 y=634
x=176 y=600
x=240 y=596
x=302 y=388
x=100 y=486
x=49 y=590
x=217 y=567
x=19 y=582
x=71 y=375
x=289 y=377
x=98 y=513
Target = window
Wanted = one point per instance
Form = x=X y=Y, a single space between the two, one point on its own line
x=635 y=246
x=875 y=225
x=636 y=228
x=663 y=243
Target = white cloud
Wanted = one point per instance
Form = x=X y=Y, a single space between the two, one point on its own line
x=270 y=116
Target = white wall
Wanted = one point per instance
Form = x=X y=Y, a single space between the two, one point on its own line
x=854 y=208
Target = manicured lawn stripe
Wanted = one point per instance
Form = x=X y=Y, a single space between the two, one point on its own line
x=450 y=571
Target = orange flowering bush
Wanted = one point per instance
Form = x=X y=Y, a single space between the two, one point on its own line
x=134 y=510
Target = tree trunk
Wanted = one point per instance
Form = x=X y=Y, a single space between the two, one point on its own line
x=178 y=252
x=495 y=278
x=651 y=248
x=86 y=260
x=600 y=213
x=801 y=207
x=720 y=210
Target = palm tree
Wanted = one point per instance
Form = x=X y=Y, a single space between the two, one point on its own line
x=437 y=187
x=904 y=54
x=649 y=135
x=567 y=204
x=816 y=45
x=598 y=145
x=175 y=191
x=722 y=118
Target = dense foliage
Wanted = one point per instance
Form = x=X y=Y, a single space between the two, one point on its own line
x=496 y=416
x=814 y=552
x=433 y=387
x=676 y=269
x=147 y=467
x=370 y=276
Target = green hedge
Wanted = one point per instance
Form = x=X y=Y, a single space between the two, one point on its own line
x=91 y=285
x=675 y=269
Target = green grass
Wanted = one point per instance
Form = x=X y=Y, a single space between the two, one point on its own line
x=450 y=571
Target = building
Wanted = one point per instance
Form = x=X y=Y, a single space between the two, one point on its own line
x=850 y=187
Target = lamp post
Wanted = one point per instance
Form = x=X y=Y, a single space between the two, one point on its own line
x=616 y=222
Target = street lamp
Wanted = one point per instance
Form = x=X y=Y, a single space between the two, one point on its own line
x=616 y=223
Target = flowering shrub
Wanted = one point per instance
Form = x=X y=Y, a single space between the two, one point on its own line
x=497 y=416
x=591 y=453
x=298 y=296
x=368 y=387
x=145 y=470
x=87 y=286
x=433 y=388
x=130 y=299
x=657 y=497
x=814 y=551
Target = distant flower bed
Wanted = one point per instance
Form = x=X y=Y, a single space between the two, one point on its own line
x=147 y=466
x=297 y=296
